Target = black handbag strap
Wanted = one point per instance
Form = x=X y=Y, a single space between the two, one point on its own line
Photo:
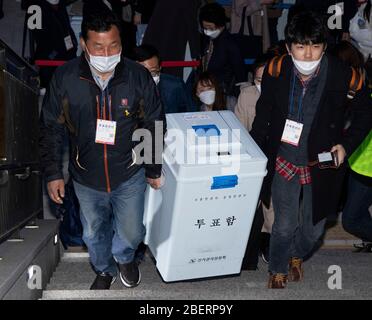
x=241 y=31
x=249 y=20
x=250 y=26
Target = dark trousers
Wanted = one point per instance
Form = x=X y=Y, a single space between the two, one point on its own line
x=293 y=234
x=356 y=218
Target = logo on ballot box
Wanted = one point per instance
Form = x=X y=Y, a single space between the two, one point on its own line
x=207 y=259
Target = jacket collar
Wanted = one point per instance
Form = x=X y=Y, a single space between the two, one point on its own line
x=222 y=36
x=121 y=72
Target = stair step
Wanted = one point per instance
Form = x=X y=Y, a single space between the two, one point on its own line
x=74 y=277
x=248 y=294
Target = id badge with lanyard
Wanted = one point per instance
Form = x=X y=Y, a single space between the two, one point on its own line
x=293 y=128
x=106 y=129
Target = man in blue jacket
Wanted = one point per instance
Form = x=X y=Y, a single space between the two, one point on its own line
x=173 y=91
x=101 y=99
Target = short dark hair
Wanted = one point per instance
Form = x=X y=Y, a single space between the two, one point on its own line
x=213 y=13
x=206 y=78
x=99 y=22
x=145 y=52
x=307 y=27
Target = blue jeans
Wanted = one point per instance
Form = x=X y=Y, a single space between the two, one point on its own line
x=293 y=233
x=112 y=222
x=356 y=218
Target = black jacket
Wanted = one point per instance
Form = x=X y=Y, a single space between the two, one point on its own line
x=73 y=101
x=226 y=63
x=172 y=25
x=326 y=130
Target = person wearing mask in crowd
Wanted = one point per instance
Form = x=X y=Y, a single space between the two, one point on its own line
x=56 y=39
x=221 y=56
x=208 y=93
x=173 y=93
x=245 y=111
x=299 y=125
x=101 y=98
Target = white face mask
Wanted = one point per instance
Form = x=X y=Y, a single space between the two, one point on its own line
x=156 y=79
x=306 y=67
x=212 y=34
x=53 y=2
x=104 y=64
x=208 y=97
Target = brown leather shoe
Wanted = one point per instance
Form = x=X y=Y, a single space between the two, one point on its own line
x=277 y=281
x=296 y=270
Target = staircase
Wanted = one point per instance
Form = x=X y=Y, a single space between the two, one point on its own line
x=73 y=277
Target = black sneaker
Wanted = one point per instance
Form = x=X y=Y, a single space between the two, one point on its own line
x=363 y=247
x=130 y=274
x=103 y=281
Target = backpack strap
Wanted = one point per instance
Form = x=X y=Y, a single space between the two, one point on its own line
x=275 y=66
x=356 y=83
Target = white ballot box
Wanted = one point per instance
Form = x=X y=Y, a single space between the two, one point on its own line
x=198 y=223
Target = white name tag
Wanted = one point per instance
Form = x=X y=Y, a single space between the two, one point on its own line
x=105 y=132
x=292 y=132
x=68 y=43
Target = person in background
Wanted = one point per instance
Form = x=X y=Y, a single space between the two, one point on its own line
x=173 y=30
x=360 y=32
x=357 y=213
x=143 y=10
x=208 y=93
x=322 y=6
x=356 y=217
x=221 y=55
x=56 y=40
x=128 y=35
x=245 y=111
x=173 y=93
x=274 y=14
x=257 y=10
x=350 y=55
